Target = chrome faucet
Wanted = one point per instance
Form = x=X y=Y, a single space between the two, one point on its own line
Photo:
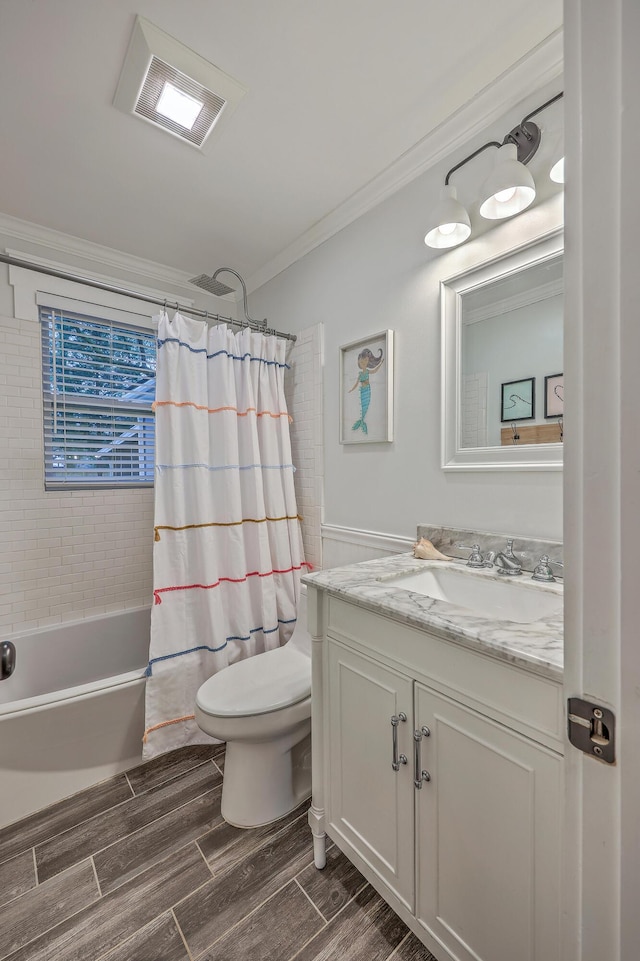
x=476 y=558
x=543 y=570
x=507 y=562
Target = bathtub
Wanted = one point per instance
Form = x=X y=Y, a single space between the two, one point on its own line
x=72 y=712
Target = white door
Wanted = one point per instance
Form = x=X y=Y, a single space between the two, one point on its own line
x=369 y=803
x=602 y=469
x=488 y=826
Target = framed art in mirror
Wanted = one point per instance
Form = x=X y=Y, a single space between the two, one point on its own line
x=502 y=326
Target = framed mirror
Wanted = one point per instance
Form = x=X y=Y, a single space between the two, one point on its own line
x=502 y=361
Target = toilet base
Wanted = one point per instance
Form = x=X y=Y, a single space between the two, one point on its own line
x=265 y=780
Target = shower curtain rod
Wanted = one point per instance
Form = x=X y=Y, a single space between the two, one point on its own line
x=77 y=278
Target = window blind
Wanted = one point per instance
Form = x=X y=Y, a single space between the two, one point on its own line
x=98 y=381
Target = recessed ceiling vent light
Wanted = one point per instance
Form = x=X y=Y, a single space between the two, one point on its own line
x=178 y=106
x=174 y=88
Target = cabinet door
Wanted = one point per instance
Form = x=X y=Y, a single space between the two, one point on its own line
x=369 y=804
x=488 y=837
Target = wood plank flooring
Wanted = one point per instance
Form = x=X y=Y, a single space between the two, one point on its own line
x=143 y=868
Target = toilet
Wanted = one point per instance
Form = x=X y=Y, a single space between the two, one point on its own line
x=262 y=708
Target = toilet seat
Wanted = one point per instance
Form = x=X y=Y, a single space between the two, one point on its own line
x=257 y=685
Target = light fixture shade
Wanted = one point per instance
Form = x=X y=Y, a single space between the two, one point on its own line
x=557 y=171
x=509 y=188
x=557 y=161
x=449 y=223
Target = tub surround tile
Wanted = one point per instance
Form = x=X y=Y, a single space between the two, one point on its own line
x=225 y=845
x=412 y=950
x=173 y=764
x=130 y=816
x=208 y=913
x=365 y=928
x=154 y=842
x=334 y=886
x=268 y=933
x=17 y=876
x=158 y=941
x=26 y=918
x=536 y=647
x=117 y=916
x=62 y=815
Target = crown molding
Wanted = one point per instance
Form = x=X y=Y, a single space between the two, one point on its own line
x=540 y=66
x=105 y=258
x=133 y=288
x=508 y=304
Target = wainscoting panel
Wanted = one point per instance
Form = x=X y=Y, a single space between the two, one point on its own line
x=345 y=545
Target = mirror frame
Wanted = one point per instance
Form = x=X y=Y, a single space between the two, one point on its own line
x=454 y=457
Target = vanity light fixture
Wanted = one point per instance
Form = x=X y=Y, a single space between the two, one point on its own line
x=508 y=189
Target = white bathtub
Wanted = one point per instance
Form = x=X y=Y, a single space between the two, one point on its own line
x=72 y=712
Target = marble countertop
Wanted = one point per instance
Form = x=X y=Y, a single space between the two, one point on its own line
x=536 y=647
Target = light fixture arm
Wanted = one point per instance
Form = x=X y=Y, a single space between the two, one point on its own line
x=485 y=146
x=526 y=137
x=558 y=96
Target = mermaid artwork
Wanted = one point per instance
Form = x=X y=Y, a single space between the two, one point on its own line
x=368 y=364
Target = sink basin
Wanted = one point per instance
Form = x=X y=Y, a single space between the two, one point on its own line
x=506 y=600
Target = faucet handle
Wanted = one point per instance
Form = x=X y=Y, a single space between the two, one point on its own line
x=543 y=572
x=475 y=558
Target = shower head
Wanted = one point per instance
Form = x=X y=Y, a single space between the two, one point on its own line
x=212 y=286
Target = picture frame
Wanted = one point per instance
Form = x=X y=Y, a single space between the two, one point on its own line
x=366 y=390
x=518 y=400
x=554 y=395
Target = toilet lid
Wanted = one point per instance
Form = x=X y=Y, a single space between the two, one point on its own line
x=257 y=685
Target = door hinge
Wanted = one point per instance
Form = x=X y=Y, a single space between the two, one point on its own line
x=592 y=729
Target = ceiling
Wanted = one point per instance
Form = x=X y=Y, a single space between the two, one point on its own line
x=336 y=92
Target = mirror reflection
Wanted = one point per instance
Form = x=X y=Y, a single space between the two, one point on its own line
x=511 y=363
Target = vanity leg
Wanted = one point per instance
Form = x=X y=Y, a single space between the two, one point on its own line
x=316 y=823
x=316 y=811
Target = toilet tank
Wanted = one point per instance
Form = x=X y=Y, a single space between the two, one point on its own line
x=300 y=640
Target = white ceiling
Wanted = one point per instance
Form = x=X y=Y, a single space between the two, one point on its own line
x=337 y=90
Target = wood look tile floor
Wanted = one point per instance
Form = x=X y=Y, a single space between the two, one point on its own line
x=143 y=868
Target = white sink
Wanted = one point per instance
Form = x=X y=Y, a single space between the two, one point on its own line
x=508 y=599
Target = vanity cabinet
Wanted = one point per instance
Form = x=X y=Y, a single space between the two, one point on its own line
x=470 y=858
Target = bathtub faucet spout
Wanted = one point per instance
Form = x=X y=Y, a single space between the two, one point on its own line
x=7 y=659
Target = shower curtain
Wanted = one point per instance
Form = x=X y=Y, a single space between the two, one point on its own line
x=228 y=545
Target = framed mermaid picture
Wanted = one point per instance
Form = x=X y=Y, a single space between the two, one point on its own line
x=366 y=390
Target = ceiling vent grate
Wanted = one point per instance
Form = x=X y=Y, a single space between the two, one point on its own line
x=158 y=75
x=157 y=63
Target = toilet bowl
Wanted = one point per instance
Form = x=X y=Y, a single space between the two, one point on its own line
x=262 y=708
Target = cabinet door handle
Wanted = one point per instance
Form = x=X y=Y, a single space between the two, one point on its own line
x=397 y=760
x=418 y=775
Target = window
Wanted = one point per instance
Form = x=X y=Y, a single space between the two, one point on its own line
x=98 y=387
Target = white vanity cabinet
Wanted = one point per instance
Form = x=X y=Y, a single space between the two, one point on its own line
x=371 y=806
x=471 y=858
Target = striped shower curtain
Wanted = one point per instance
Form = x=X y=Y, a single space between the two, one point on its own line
x=228 y=545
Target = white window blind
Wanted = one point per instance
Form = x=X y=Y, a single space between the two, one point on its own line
x=98 y=380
